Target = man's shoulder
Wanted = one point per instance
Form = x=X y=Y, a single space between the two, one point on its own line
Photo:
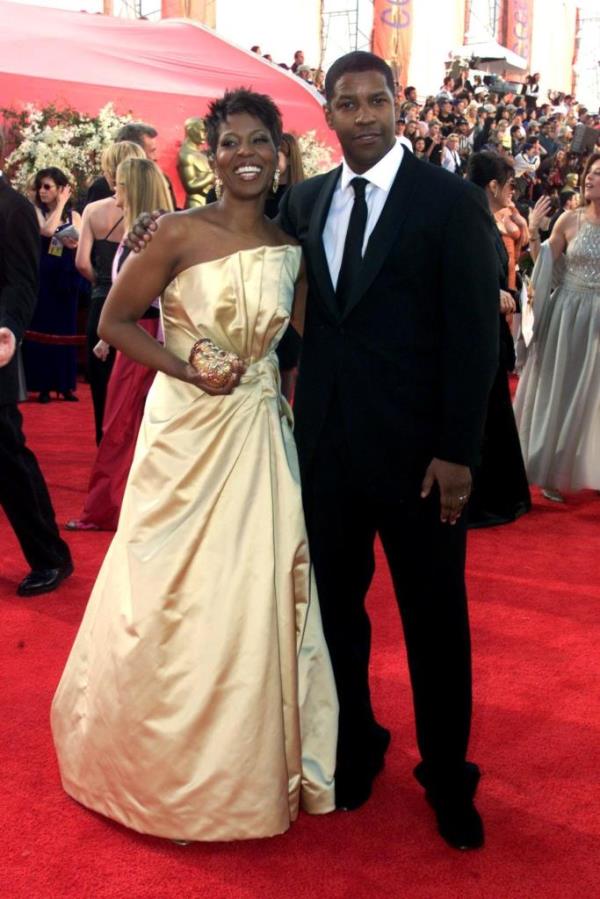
x=15 y=203
x=311 y=187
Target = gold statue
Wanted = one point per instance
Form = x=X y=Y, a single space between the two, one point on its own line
x=193 y=165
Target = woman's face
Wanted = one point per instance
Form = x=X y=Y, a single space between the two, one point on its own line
x=506 y=191
x=246 y=156
x=591 y=185
x=48 y=191
x=420 y=145
x=500 y=195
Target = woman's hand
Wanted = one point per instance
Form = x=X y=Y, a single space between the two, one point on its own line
x=101 y=350
x=142 y=230
x=70 y=244
x=539 y=212
x=64 y=195
x=192 y=376
x=507 y=304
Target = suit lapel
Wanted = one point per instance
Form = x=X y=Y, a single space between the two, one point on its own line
x=391 y=220
x=314 y=241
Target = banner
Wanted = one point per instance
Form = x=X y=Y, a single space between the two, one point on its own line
x=201 y=10
x=519 y=27
x=393 y=33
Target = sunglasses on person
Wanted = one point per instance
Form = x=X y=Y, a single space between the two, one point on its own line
x=47 y=186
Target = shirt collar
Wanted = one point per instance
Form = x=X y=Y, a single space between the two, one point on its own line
x=382 y=174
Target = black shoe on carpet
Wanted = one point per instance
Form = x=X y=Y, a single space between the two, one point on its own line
x=44 y=580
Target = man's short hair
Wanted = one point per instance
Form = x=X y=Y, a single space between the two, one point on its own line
x=357 y=61
x=135 y=132
x=531 y=143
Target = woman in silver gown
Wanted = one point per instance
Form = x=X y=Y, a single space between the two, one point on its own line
x=557 y=406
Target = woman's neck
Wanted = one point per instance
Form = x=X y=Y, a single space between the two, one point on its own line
x=244 y=216
x=592 y=211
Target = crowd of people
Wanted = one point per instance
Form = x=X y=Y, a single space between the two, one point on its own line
x=221 y=689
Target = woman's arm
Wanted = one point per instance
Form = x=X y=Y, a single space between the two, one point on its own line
x=141 y=279
x=557 y=239
x=83 y=259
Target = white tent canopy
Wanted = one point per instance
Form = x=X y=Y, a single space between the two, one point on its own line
x=492 y=57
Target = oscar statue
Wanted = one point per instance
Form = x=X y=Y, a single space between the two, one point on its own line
x=193 y=166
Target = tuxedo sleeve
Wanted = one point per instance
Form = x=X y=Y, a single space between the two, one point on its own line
x=470 y=300
x=21 y=264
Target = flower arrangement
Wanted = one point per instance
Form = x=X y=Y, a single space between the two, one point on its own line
x=65 y=138
x=317 y=157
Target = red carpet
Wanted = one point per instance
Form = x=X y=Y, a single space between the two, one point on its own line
x=535 y=601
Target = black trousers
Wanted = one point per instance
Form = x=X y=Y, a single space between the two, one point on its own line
x=98 y=372
x=24 y=496
x=426 y=560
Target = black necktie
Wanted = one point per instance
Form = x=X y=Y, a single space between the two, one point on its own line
x=352 y=259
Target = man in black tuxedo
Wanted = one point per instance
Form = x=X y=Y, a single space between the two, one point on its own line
x=399 y=353
x=23 y=492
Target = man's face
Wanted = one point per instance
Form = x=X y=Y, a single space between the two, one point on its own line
x=445 y=107
x=362 y=113
x=150 y=147
x=299 y=57
x=412 y=95
x=534 y=149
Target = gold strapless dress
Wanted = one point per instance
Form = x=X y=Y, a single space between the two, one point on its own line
x=198 y=701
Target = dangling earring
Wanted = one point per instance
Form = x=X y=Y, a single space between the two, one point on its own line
x=218 y=187
x=276 y=178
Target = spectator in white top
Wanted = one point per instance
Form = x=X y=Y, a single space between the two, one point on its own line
x=527 y=162
x=451 y=160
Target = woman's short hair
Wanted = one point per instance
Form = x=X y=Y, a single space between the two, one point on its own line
x=357 y=61
x=145 y=187
x=294 y=158
x=488 y=166
x=114 y=154
x=239 y=101
x=595 y=157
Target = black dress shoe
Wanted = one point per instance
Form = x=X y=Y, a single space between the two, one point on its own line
x=459 y=822
x=44 y=397
x=70 y=397
x=353 y=788
x=44 y=580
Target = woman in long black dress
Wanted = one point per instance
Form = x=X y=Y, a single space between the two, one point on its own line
x=50 y=367
x=500 y=489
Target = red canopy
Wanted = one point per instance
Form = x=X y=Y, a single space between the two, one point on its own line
x=160 y=72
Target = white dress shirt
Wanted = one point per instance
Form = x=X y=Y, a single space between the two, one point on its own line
x=380 y=179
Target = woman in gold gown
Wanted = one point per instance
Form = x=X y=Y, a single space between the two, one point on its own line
x=198 y=701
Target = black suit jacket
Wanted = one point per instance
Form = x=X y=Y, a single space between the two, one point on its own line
x=412 y=358
x=19 y=275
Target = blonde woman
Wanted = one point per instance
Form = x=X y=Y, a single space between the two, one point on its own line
x=101 y=233
x=140 y=186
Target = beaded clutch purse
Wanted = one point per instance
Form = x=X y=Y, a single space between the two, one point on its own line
x=214 y=364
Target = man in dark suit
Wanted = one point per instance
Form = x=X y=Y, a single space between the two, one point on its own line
x=23 y=492
x=399 y=353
